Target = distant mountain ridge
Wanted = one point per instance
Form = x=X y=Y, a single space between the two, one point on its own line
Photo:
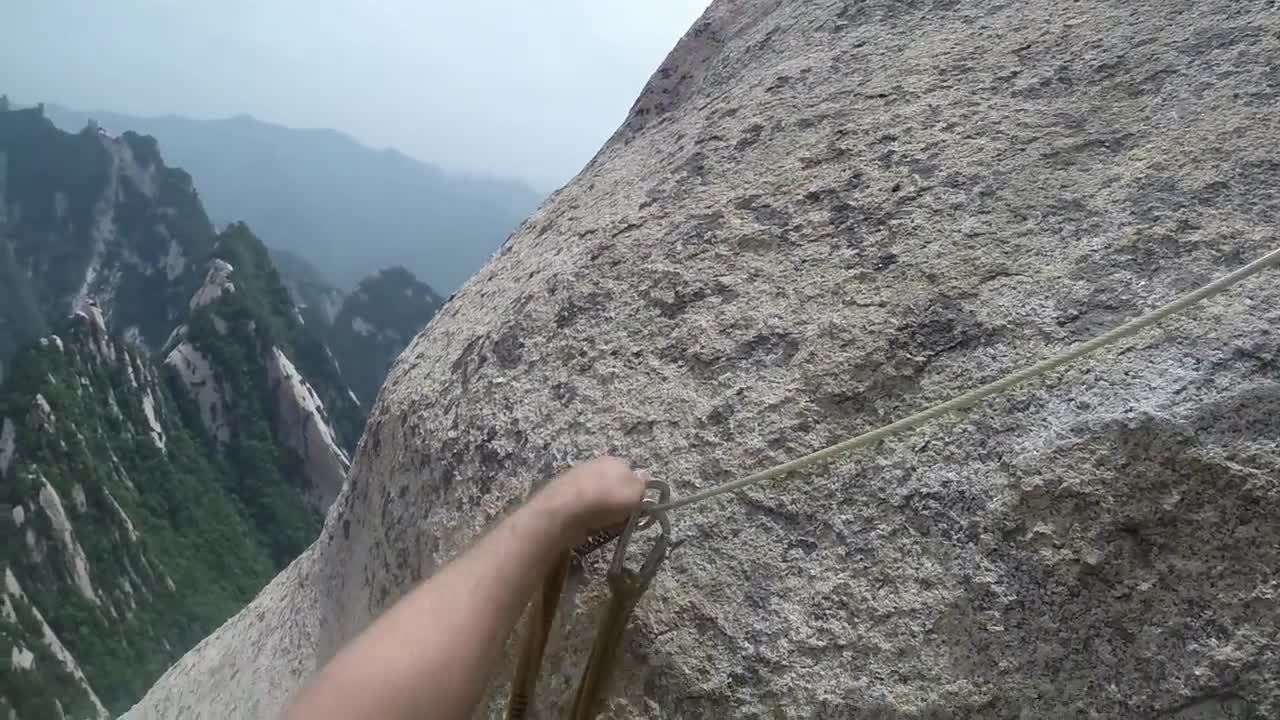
x=171 y=429
x=83 y=215
x=367 y=328
x=348 y=208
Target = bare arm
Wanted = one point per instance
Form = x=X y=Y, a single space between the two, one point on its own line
x=431 y=654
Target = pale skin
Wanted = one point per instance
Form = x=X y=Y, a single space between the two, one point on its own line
x=431 y=654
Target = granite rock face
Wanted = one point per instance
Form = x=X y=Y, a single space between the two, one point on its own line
x=820 y=216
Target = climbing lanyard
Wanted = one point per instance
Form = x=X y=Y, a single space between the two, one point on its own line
x=625 y=588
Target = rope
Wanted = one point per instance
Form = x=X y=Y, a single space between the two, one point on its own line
x=977 y=395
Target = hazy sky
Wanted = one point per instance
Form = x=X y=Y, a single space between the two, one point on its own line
x=521 y=88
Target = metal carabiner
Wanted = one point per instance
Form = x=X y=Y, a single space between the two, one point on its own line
x=625 y=588
x=604 y=536
x=641 y=520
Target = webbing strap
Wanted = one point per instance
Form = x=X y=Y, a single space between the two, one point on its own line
x=541 y=617
x=599 y=667
x=625 y=589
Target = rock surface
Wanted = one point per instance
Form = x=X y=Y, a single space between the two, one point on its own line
x=72 y=553
x=92 y=218
x=304 y=428
x=818 y=217
x=8 y=436
x=12 y=593
x=196 y=375
x=216 y=281
x=367 y=328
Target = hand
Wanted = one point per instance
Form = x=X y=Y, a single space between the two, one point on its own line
x=594 y=495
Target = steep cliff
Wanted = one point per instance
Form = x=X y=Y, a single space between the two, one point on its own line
x=87 y=215
x=121 y=545
x=349 y=208
x=367 y=328
x=820 y=216
x=264 y=386
x=375 y=323
x=164 y=451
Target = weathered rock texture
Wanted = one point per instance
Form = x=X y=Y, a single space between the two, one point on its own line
x=305 y=430
x=820 y=216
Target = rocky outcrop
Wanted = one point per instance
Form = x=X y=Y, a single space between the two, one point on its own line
x=120 y=524
x=280 y=180
x=133 y=535
x=818 y=217
x=216 y=282
x=72 y=553
x=201 y=383
x=153 y=420
x=374 y=325
x=306 y=430
x=8 y=438
x=21 y=659
x=12 y=595
x=102 y=346
x=239 y=370
x=40 y=417
x=93 y=217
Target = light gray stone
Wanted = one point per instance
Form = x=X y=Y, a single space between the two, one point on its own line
x=8 y=444
x=304 y=427
x=216 y=282
x=818 y=217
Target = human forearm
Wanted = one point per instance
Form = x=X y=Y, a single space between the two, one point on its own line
x=433 y=649
x=430 y=654
x=486 y=592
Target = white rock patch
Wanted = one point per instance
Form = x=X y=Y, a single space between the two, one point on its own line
x=101 y=344
x=19 y=515
x=77 y=563
x=153 y=422
x=124 y=517
x=216 y=282
x=102 y=233
x=21 y=658
x=12 y=590
x=127 y=587
x=113 y=407
x=219 y=324
x=128 y=368
x=8 y=444
x=143 y=178
x=196 y=373
x=306 y=430
x=77 y=495
x=29 y=537
x=331 y=305
x=8 y=612
x=133 y=335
